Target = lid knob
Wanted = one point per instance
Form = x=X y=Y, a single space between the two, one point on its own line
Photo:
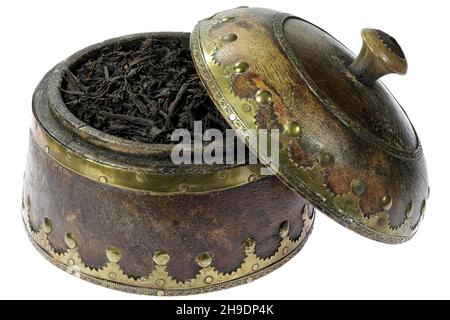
x=380 y=55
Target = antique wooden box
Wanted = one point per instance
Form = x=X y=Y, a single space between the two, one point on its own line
x=119 y=213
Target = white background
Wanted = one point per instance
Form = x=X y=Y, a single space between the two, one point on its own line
x=335 y=263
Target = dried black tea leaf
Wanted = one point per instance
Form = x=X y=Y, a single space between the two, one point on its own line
x=141 y=93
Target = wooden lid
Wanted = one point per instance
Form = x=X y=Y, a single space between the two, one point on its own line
x=346 y=144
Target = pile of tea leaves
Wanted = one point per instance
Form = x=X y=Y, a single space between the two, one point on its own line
x=141 y=94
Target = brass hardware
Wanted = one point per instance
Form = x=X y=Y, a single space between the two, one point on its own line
x=380 y=55
x=284 y=229
x=292 y=129
x=159 y=281
x=161 y=258
x=387 y=202
x=241 y=67
x=113 y=254
x=204 y=259
x=70 y=240
x=358 y=186
x=263 y=97
x=153 y=183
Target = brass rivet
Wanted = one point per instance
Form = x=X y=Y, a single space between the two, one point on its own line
x=208 y=279
x=241 y=67
x=232 y=116
x=161 y=258
x=249 y=279
x=285 y=250
x=113 y=254
x=325 y=160
x=112 y=275
x=183 y=187
x=247 y=107
x=71 y=262
x=204 y=259
x=224 y=19
x=387 y=202
x=255 y=267
x=305 y=212
x=252 y=178
x=70 y=240
x=47 y=225
x=423 y=207
x=249 y=245
x=140 y=176
x=103 y=179
x=409 y=210
x=160 y=282
x=229 y=37
x=358 y=186
x=284 y=229
x=263 y=97
x=292 y=129
x=69 y=156
x=47 y=149
x=160 y=293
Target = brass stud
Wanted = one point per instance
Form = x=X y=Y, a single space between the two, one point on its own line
x=161 y=258
x=103 y=179
x=387 y=202
x=423 y=207
x=247 y=107
x=70 y=240
x=249 y=245
x=224 y=19
x=71 y=262
x=183 y=187
x=241 y=67
x=325 y=160
x=292 y=129
x=160 y=282
x=113 y=254
x=409 y=210
x=204 y=259
x=160 y=293
x=229 y=38
x=255 y=267
x=47 y=225
x=208 y=279
x=232 y=116
x=305 y=212
x=47 y=149
x=284 y=229
x=358 y=186
x=252 y=178
x=112 y=275
x=263 y=97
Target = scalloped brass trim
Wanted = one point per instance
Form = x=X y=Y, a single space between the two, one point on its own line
x=159 y=281
x=153 y=183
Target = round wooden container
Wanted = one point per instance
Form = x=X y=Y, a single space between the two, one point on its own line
x=118 y=213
